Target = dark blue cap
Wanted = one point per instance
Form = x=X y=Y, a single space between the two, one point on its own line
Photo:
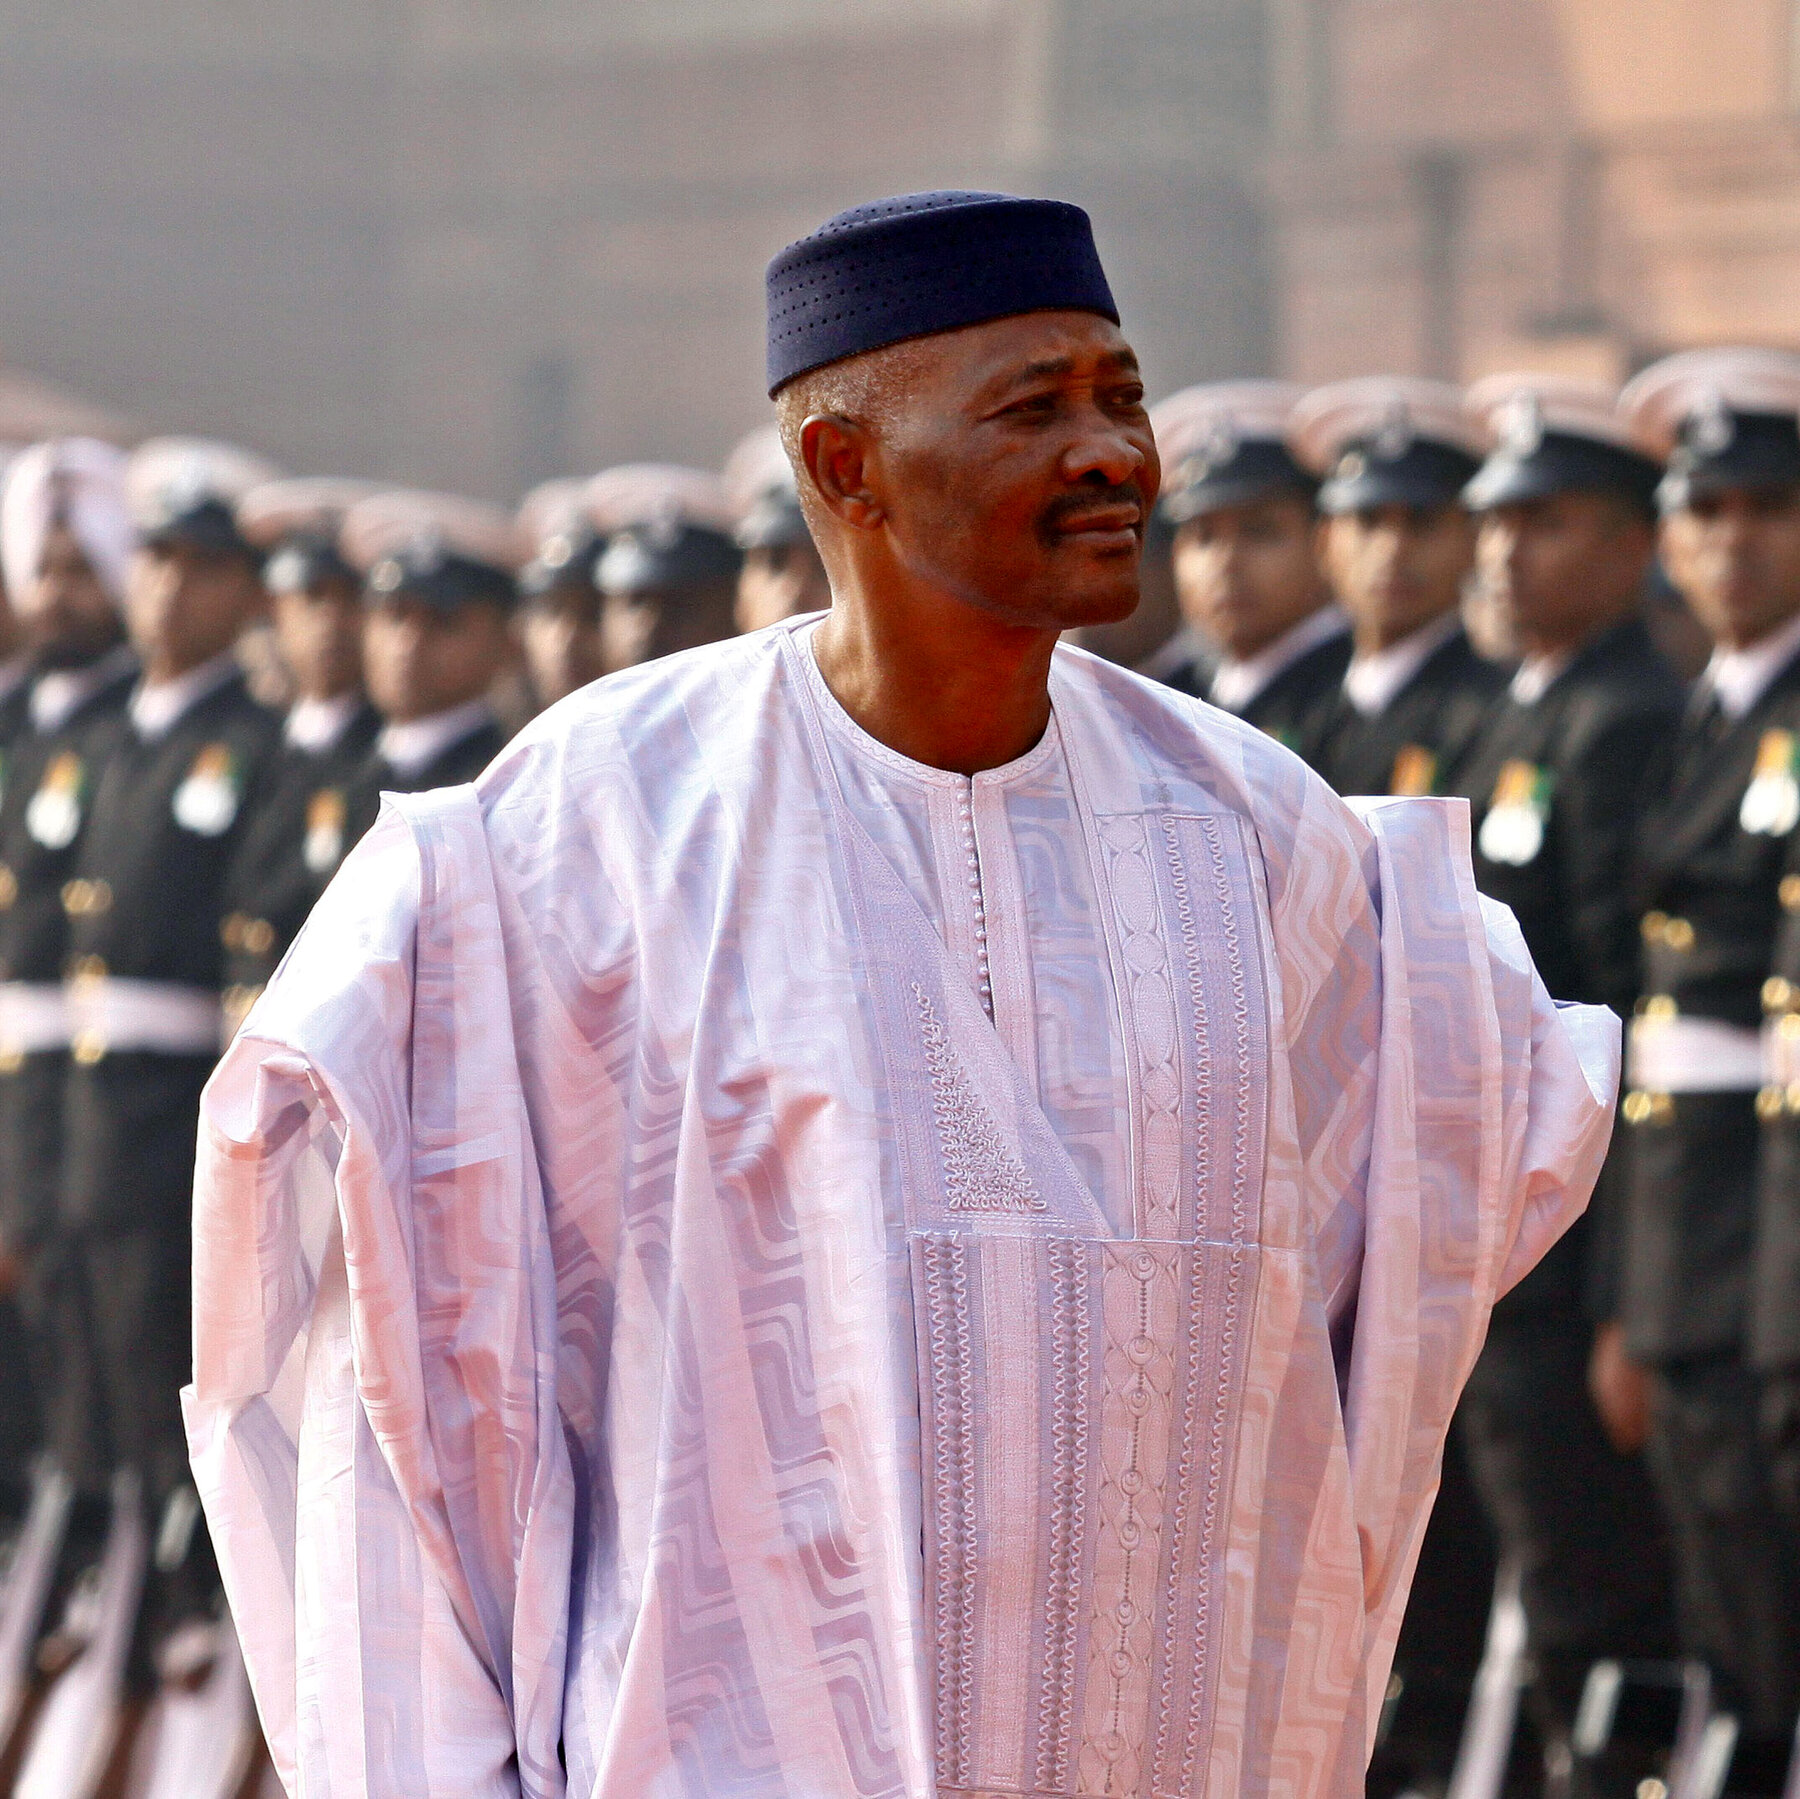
x=919 y=264
x=304 y=560
x=1720 y=448
x=1562 y=462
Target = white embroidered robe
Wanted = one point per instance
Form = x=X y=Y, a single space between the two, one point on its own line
x=728 y=1263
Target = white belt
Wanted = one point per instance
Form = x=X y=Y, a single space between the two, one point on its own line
x=117 y=1014
x=34 y=1016
x=1694 y=1055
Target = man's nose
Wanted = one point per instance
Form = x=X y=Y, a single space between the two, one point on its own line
x=1104 y=451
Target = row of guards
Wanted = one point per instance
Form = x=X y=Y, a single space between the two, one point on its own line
x=1578 y=610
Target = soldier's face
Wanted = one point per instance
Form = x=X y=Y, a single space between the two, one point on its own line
x=1248 y=573
x=560 y=633
x=184 y=605
x=318 y=631
x=640 y=627
x=420 y=659
x=1735 y=556
x=780 y=582
x=67 y=616
x=1396 y=568
x=1555 y=568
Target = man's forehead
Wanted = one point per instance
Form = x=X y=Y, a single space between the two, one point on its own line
x=1043 y=345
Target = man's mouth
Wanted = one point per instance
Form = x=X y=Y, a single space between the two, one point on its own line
x=1109 y=527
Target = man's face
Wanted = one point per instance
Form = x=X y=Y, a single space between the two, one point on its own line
x=1019 y=472
x=640 y=627
x=1735 y=555
x=420 y=659
x=184 y=605
x=1557 y=567
x=561 y=635
x=780 y=582
x=318 y=630
x=67 y=617
x=1247 y=574
x=1396 y=568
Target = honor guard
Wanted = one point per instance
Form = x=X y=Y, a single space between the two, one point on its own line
x=144 y=969
x=1557 y=782
x=65 y=542
x=669 y=574
x=782 y=575
x=1714 y=853
x=438 y=596
x=301 y=828
x=559 y=605
x=1246 y=563
x=15 y=654
x=1398 y=545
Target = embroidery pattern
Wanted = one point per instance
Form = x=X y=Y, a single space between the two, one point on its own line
x=1240 y=1022
x=953 y=1469
x=1070 y=1371
x=1137 y=910
x=980 y=1173
x=1190 y=944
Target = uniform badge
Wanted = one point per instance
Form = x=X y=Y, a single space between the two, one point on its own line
x=206 y=802
x=1771 y=805
x=53 y=815
x=1415 y=772
x=324 y=846
x=1513 y=831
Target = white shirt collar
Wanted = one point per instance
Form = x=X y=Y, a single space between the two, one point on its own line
x=157 y=708
x=1739 y=678
x=316 y=726
x=59 y=694
x=411 y=747
x=1536 y=675
x=1236 y=684
x=1373 y=682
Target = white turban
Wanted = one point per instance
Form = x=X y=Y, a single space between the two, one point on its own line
x=80 y=480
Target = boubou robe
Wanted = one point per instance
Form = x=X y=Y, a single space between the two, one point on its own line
x=730 y=1263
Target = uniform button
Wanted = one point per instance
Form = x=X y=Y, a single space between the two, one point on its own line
x=1777 y=994
x=1653 y=926
x=231 y=930
x=76 y=896
x=9 y=888
x=259 y=937
x=1770 y=1103
x=11 y=1061
x=89 y=968
x=1659 y=1005
x=1678 y=934
x=88 y=1048
x=1647 y=1108
x=100 y=896
x=1790 y=892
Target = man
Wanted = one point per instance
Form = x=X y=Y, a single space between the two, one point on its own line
x=65 y=541
x=144 y=903
x=15 y=653
x=842 y=1236
x=559 y=605
x=1397 y=545
x=1713 y=853
x=1247 y=568
x=301 y=828
x=669 y=572
x=438 y=585
x=782 y=576
x=1557 y=782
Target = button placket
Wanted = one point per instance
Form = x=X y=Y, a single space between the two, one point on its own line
x=965 y=819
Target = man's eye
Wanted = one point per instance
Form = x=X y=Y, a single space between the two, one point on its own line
x=1036 y=406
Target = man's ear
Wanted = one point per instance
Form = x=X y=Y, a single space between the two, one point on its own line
x=837 y=453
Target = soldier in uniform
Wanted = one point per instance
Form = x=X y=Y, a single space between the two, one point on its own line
x=65 y=541
x=782 y=575
x=144 y=903
x=1398 y=545
x=559 y=605
x=1246 y=564
x=1713 y=854
x=1557 y=783
x=669 y=573
x=301 y=830
x=439 y=591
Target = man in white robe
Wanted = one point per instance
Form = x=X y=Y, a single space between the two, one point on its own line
x=846 y=1224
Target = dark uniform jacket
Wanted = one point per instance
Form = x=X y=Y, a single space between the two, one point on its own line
x=145 y=903
x=1775 y=1284
x=1708 y=892
x=15 y=721
x=290 y=850
x=1295 y=705
x=1556 y=791
x=48 y=793
x=460 y=761
x=1419 y=744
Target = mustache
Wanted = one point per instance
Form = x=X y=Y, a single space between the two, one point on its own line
x=1091 y=499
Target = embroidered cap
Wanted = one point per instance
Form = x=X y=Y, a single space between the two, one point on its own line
x=296 y=522
x=186 y=490
x=434 y=547
x=917 y=264
x=1226 y=442
x=1554 y=434
x=1722 y=418
x=1387 y=440
x=666 y=528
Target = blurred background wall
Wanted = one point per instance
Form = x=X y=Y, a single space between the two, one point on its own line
x=477 y=242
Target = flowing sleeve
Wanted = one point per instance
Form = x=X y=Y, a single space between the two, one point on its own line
x=373 y=1420
x=1492 y=1113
